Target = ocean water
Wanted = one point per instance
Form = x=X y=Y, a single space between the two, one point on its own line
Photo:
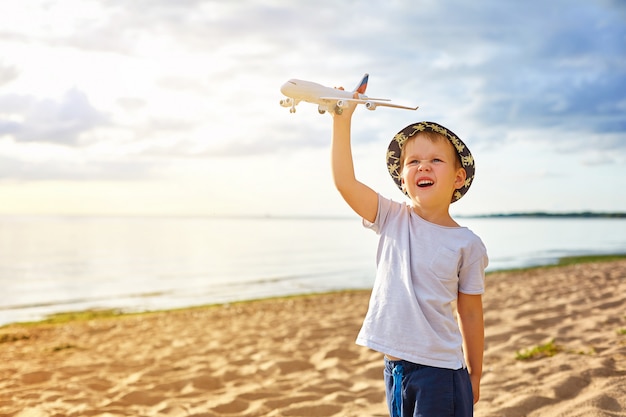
x=59 y=264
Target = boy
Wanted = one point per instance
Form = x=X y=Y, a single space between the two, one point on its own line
x=426 y=262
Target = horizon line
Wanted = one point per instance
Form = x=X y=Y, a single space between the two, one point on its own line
x=270 y=216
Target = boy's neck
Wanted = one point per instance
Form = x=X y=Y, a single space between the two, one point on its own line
x=439 y=216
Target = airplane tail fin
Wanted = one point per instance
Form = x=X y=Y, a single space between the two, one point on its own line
x=362 y=85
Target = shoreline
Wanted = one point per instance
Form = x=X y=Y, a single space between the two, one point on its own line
x=88 y=314
x=555 y=345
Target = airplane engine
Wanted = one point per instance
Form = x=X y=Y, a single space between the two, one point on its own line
x=286 y=102
x=342 y=104
x=370 y=105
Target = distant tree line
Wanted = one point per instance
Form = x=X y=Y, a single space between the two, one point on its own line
x=540 y=214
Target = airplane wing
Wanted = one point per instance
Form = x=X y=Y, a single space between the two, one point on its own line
x=387 y=104
x=375 y=99
x=370 y=104
x=355 y=99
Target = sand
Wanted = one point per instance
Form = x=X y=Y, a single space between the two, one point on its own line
x=297 y=357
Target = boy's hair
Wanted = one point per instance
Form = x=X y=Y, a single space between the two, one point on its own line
x=434 y=137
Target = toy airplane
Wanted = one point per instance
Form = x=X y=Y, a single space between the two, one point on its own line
x=330 y=99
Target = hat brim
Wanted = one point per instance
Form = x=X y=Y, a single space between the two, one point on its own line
x=394 y=152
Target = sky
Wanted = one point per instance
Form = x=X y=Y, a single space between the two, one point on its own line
x=160 y=107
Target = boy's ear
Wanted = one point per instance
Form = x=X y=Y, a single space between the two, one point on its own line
x=461 y=176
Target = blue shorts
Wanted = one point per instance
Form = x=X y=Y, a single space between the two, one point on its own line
x=425 y=391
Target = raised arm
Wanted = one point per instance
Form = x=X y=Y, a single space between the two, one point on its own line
x=361 y=198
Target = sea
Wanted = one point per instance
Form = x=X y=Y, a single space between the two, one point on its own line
x=54 y=264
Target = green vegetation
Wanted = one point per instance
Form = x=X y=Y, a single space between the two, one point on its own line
x=570 y=260
x=60 y=318
x=540 y=351
x=71 y=316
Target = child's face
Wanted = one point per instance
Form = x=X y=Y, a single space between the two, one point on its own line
x=430 y=173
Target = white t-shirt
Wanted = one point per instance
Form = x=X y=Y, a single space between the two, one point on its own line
x=421 y=267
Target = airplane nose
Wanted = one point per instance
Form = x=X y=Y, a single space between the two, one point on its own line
x=287 y=87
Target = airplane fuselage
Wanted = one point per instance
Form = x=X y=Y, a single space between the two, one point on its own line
x=311 y=92
x=330 y=99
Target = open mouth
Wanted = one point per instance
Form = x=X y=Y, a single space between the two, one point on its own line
x=425 y=183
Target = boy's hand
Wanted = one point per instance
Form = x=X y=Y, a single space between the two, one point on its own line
x=475 y=387
x=346 y=112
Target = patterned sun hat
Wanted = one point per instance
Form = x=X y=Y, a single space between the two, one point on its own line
x=395 y=150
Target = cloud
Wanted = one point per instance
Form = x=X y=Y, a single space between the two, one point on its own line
x=8 y=73
x=15 y=169
x=209 y=72
x=552 y=66
x=47 y=120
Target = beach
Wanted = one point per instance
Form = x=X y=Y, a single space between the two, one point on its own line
x=555 y=346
